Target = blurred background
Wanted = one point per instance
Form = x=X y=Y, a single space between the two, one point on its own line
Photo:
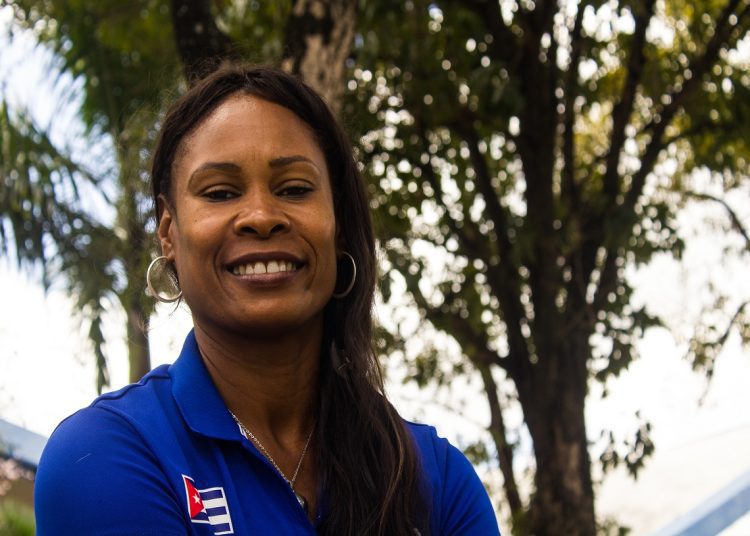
x=561 y=196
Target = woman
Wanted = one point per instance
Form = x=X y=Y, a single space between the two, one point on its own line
x=273 y=418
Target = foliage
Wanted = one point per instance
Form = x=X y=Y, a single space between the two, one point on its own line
x=40 y=190
x=636 y=451
x=16 y=520
x=101 y=262
x=95 y=42
x=44 y=220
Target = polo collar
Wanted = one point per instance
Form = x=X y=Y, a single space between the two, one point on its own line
x=196 y=395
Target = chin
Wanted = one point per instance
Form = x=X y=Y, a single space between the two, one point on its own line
x=269 y=326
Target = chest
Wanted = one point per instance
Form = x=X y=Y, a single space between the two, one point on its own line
x=229 y=488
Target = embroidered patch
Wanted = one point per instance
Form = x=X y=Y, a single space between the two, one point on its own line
x=208 y=506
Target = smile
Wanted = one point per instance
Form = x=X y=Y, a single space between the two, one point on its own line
x=264 y=267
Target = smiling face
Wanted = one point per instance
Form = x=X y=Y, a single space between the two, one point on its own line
x=251 y=227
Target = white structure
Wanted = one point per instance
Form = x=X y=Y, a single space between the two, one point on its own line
x=716 y=513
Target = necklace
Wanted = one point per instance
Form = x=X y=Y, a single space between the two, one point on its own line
x=249 y=435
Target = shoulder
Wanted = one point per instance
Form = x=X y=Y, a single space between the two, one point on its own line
x=428 y=442
x=459 y=501
x=98 y=457
x=108 y=424
x=137 y=397
x=441 y=459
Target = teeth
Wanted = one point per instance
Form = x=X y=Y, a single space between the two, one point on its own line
x=270 y=267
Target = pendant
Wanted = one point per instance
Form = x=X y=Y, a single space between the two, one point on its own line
x=301 y=500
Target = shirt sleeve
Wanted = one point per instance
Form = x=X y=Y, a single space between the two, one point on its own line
x=459 y=503
x=96 y=477
x=466 y=507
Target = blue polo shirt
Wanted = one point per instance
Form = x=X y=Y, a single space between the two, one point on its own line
x=164 y=457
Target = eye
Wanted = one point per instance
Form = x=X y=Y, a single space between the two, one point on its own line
x=295 y=190
x=219 y=194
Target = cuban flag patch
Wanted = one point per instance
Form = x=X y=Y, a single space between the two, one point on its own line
x=208 y=506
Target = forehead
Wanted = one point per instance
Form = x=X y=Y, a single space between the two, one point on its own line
x=248 y=125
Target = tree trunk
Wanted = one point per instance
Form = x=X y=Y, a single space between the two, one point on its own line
x=504 y=450
x=135 y=252
x=318 y=41
x=563 y=502
x=139 y=354
x=138 y=307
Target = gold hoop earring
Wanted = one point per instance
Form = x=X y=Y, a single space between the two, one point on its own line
x=348 y=289
x=164 y=268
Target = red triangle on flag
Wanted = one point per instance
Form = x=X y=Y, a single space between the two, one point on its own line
x=195 y=503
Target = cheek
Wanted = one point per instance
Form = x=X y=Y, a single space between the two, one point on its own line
x=192 y=241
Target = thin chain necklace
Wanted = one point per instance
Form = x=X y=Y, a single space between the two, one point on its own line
x=249 y=435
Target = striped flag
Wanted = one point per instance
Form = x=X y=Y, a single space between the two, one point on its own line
x=208 y=506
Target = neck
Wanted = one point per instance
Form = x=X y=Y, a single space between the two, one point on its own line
x=271 y=385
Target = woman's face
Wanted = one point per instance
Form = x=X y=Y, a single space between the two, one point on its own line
x=252 y=230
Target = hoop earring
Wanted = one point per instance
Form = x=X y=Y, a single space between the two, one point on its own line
x=149 y=282
x=348 y=289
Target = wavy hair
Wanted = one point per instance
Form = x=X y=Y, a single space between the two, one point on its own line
x=367 y=463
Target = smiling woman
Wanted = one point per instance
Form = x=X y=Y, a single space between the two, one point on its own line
x=273 y=418
x=251 y=193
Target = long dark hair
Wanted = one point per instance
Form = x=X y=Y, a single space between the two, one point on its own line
x=368 y=465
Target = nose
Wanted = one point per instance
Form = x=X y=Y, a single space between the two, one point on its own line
x=260 y=215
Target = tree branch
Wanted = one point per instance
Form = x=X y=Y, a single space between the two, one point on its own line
x=697 y=67
x=624 y=107
x=656 y=128
x=721 y=340
x=494 y=210
x=504 y=44
x=474 y=344
x=504 y=279
x=735 y=220
x=504 y=450
x=469 y=241
x=607 y=280
x=569 y=187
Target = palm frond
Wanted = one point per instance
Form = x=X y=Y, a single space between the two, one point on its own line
x=43 y=222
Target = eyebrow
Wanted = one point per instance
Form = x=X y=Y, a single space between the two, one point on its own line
x=230 y=167
x=218 y=166
x=282 y=161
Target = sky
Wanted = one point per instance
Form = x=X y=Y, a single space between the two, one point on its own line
x=47 y=372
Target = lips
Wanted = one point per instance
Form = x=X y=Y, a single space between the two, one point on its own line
x=264 y=267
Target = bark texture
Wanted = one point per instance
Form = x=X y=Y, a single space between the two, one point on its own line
x=138 y=344
x=318 y=40
x=563 y=502
x=137 y=305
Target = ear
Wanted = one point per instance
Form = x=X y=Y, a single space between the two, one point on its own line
x=166 y=229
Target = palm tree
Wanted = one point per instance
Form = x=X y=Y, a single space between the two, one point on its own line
x=43 y=222
x=44 y=219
